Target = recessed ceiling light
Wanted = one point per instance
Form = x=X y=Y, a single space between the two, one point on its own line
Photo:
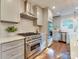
x=53 y=7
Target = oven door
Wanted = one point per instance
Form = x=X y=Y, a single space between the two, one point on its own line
x=33 y=47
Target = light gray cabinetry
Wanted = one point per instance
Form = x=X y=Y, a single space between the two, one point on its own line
x=13 y=50
x=0 y=47
x=39 y=16
x=11 y=45
x=0 y=51
x=14 y=53
x=10 y=10
x=0 y=55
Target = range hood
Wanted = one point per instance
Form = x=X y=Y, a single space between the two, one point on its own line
x=26 y=14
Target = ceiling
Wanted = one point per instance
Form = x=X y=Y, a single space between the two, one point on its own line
x=62 y=6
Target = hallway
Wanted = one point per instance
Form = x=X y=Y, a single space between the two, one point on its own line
x=58 y=50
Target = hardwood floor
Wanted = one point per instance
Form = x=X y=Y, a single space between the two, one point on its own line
x=58 y=50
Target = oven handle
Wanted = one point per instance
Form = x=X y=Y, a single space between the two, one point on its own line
x=34 y=40
x=30 y=44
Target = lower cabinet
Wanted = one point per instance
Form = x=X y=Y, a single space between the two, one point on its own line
x=16 y=52
x=0 y=51
x=0 y=55
x=0 y=47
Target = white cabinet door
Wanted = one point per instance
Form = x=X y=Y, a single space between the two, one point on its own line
x=10 y=45
x=13 y=50
x=39 y=16
x=18 y=57
x=13 y=53
x=0 y=47
x=0 y=55
x=0 y=51
x=50 y=15
x=10 y=10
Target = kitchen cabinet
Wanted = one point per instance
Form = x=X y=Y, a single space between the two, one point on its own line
x=11 y=45
x=14 y=53
x=0 y=47
x=0 y=55
x=10 y=10
x=0 y=51
x=50 y=15
x=39 y=16
x=13 y=49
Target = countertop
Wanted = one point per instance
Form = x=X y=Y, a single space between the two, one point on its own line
x=9 y=39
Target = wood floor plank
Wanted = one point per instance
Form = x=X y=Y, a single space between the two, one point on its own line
x=58 y=50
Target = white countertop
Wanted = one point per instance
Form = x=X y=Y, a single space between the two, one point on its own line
x=9 y=39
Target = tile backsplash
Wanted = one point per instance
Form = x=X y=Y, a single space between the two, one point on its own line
x=3 y=26
x=25 y=25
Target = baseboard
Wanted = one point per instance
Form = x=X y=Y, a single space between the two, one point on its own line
x=62 y=42
x=50 y=45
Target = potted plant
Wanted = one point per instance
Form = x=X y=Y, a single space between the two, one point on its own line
x=11 y=30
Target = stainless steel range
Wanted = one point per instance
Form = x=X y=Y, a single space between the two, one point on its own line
x=32 y=43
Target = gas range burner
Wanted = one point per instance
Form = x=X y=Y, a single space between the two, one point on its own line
x=28 y=34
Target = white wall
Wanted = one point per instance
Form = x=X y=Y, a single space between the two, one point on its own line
x=71 y=17
x=74 y=46
x=69 y=31
x=59 y=21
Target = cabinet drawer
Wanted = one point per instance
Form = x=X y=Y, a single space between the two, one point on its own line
x=12 y=53
x=18 y=57
x=11 y=45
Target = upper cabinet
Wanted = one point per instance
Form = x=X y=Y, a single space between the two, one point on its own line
x=10 y=10
x=39 y=14
x=50 y=15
